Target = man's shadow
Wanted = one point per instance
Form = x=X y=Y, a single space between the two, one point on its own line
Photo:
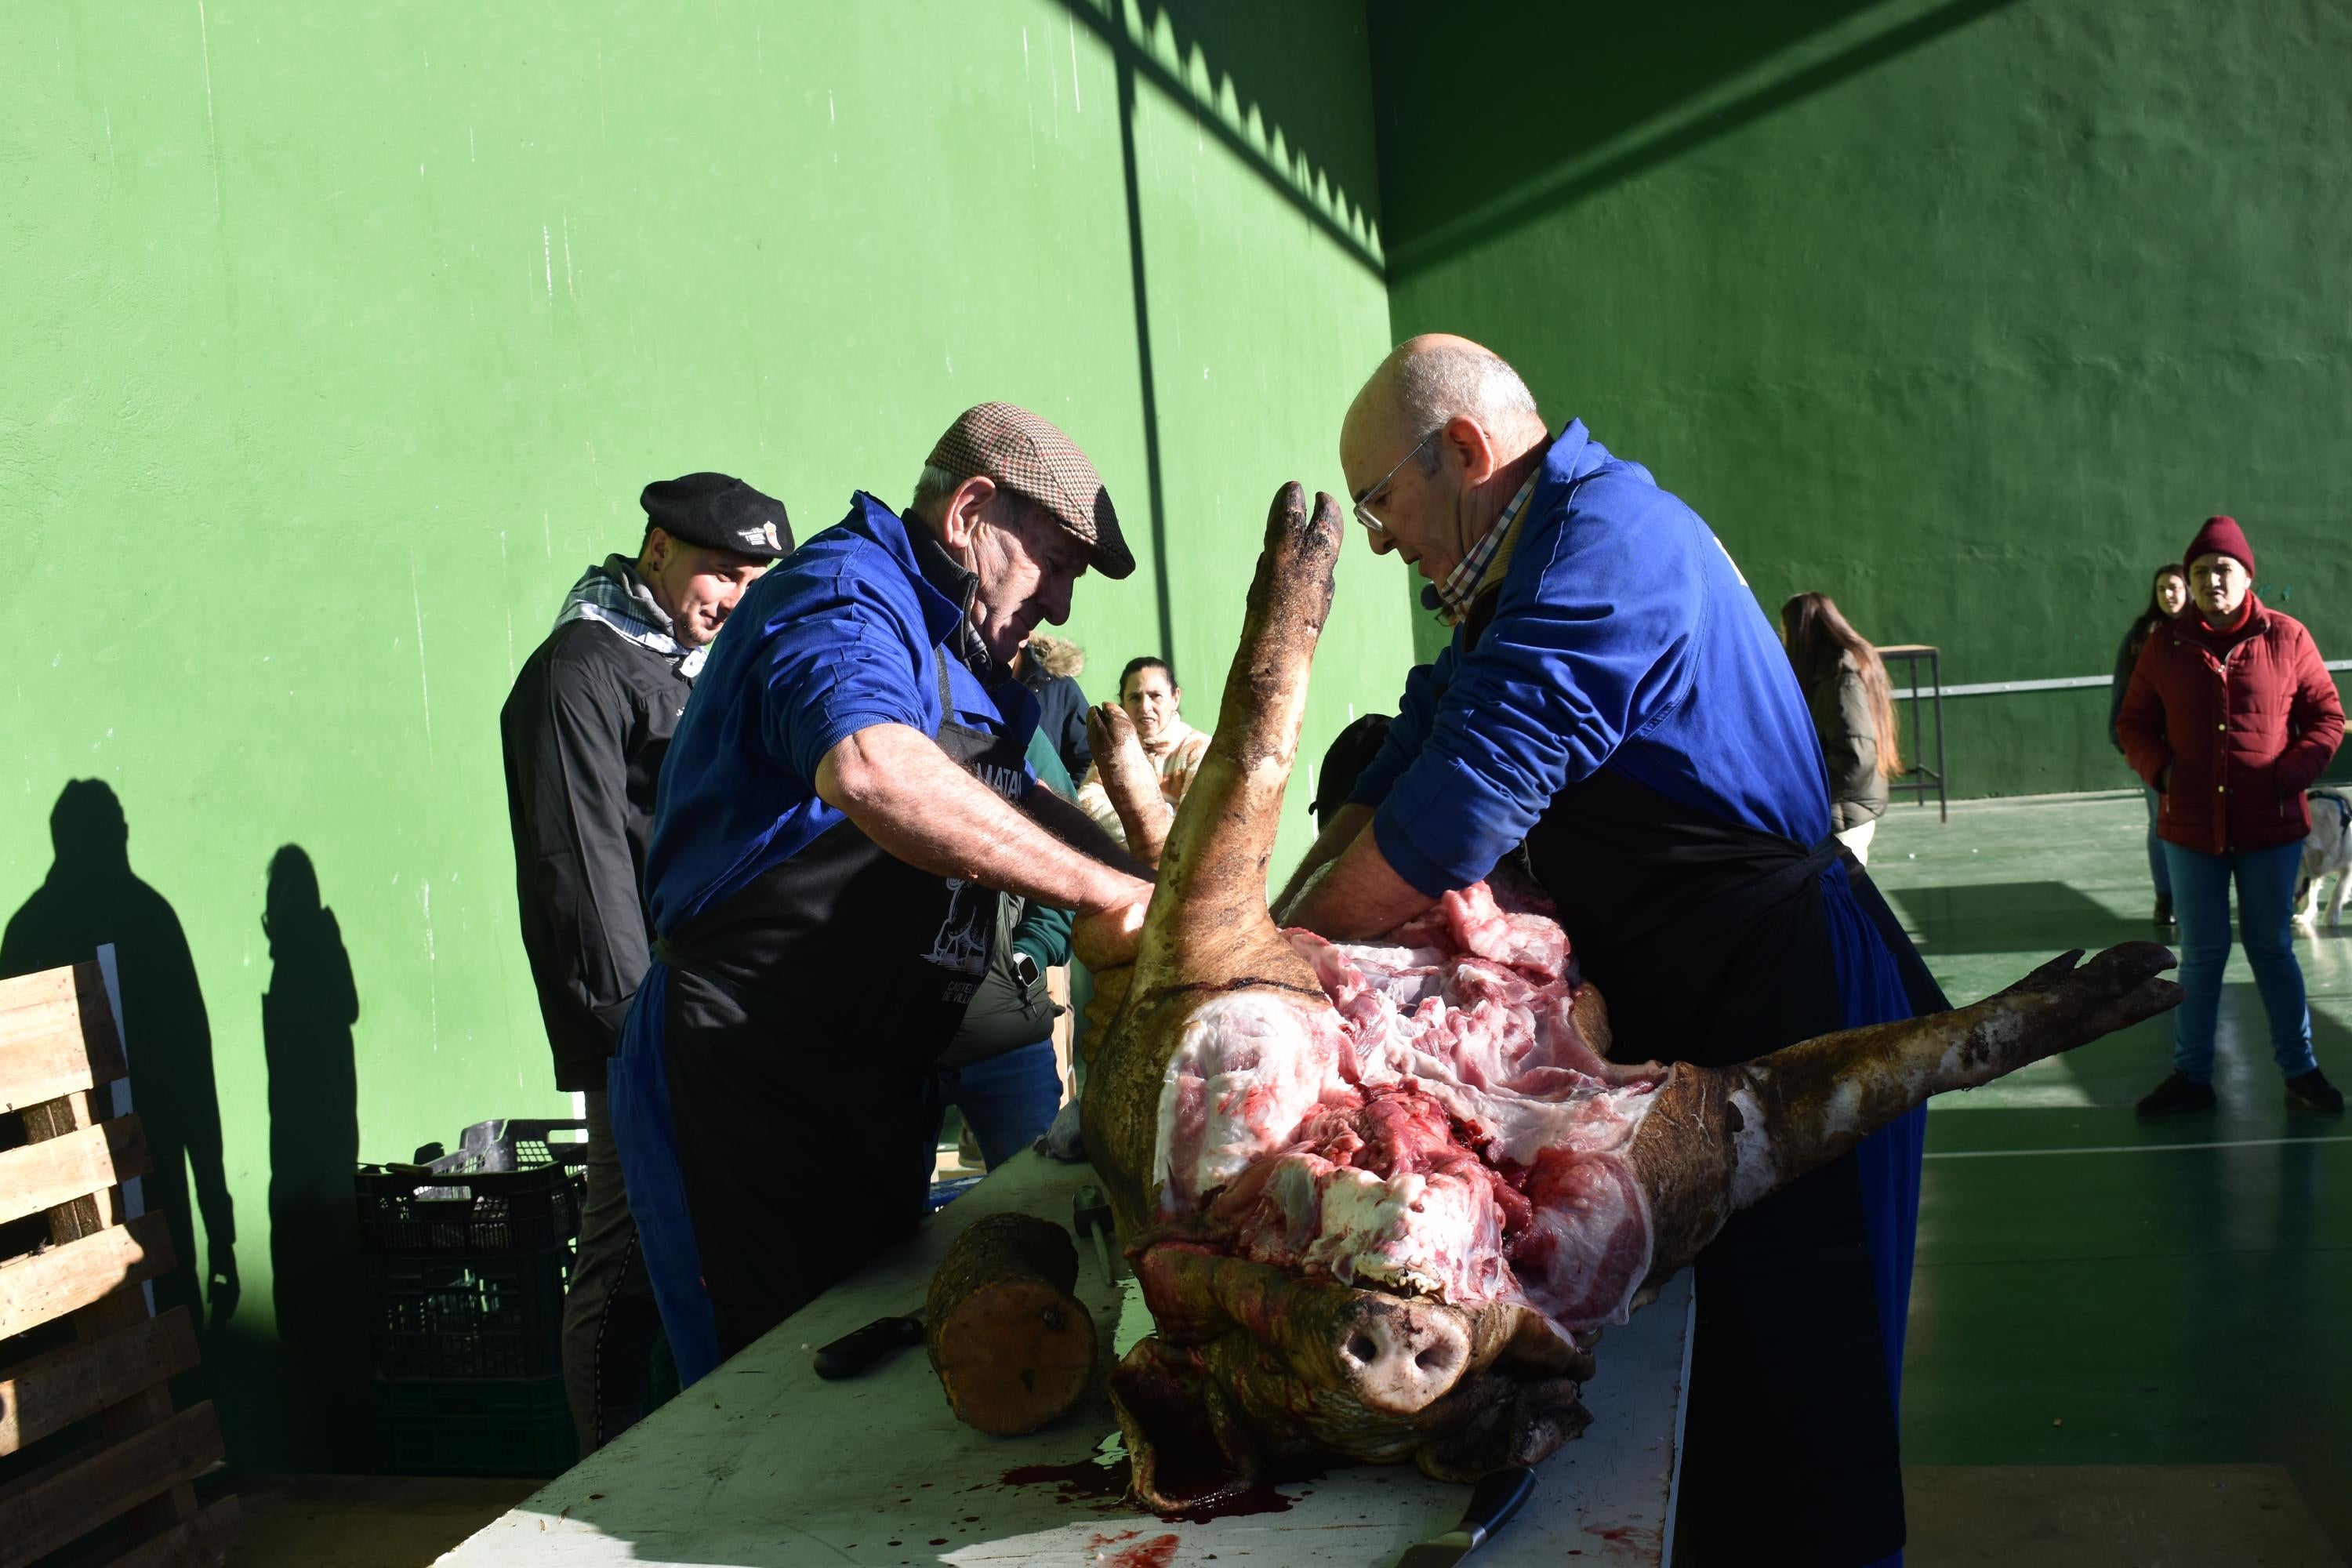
x=91 y=898
x=314 y=1147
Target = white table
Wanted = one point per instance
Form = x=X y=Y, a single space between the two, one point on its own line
x=763 y=1465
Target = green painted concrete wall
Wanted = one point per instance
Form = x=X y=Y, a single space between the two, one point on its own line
x=341 y=339
x=1966 y=313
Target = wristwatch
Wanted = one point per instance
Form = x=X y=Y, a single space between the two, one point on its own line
x=1025 y=969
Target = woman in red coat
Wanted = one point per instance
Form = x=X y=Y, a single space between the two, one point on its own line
x=2231 y=717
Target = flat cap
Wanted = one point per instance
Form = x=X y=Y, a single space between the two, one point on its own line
x=1028 y=454
x=719 y=511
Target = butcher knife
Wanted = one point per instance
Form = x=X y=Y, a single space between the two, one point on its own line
x=861 y=1348
x=1492 y=1503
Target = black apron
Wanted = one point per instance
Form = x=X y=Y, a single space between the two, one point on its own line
x=804 y=1015
x=1709 y=944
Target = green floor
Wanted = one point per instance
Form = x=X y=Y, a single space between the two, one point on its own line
x=2091 y=1291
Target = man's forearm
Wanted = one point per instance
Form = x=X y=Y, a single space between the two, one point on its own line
x=1360 y=896
x=1081 y=832
x=1344 y=826
x=904 y=793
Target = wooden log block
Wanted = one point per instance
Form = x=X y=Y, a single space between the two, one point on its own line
x=50 y=1392
x=57 y=1036
x=1012 y=1346
x=203 y=1541
x=59 y=1507
x=48 y=1285
x=55 y=1170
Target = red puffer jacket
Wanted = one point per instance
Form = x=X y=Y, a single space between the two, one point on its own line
x=2245 y=732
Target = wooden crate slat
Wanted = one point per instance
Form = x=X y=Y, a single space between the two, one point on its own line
x=203 y=1541
x=80 y=1165
x=57 y=1036
x=52 y=1391
x=36 y=1520
x=45 y=1285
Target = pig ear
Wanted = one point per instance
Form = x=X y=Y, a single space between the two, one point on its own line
x=1183 y=1445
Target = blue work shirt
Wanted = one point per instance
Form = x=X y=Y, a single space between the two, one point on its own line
x=842 y=635
x=1623 y=637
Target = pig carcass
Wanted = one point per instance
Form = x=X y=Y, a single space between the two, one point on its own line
x=1381 y=1196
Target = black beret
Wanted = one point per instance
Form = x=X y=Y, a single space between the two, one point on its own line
x=719 y=511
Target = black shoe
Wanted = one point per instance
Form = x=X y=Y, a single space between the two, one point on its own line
x=2312 y=1091
x=2164 y=912
x=2179 y=1093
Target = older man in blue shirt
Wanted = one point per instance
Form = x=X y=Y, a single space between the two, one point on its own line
x=1614 y=707
x=846 y=792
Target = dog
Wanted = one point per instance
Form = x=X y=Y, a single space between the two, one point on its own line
x=2327 y=853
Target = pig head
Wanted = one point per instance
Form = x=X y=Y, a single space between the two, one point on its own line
x=1322 y=1283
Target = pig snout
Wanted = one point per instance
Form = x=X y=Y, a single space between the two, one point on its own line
x=1402 y=1356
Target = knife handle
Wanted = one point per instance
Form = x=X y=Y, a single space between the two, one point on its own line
x=1495 y=1499
x=861 y=1348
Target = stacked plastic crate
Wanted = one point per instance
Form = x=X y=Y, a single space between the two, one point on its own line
x=466 y=1259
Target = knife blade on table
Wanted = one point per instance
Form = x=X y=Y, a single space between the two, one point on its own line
x=861 y=1348
x=1492 y=1503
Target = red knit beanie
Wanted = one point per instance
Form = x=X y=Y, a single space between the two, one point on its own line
x=2221 y=536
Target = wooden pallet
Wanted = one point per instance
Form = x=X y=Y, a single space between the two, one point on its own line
x=59 y=1057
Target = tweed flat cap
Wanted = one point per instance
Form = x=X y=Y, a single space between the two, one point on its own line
x=1030 y=455
x=719 y=511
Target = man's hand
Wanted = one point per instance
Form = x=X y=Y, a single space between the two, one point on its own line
x=1359 y=895
x=1109 y=938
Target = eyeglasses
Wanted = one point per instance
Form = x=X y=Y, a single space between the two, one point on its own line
x=1362 y=514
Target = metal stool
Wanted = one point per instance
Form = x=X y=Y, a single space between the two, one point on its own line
x=1919 y=775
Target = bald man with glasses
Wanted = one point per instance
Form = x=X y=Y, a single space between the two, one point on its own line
x=1614 y=713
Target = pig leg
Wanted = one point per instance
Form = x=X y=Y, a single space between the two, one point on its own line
x=1208 y=932
x=1128 y=778
x=1209 y=922
x=1717 y=1140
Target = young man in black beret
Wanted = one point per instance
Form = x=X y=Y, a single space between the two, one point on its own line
x=585 y=729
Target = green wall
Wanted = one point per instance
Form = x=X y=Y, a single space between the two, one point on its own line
x=341 y=339
x=1966 y=314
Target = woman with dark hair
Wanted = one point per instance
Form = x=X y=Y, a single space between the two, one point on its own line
x=2167 y=596
x=1846 y=687
x=1174 y=748
x=2230 y=716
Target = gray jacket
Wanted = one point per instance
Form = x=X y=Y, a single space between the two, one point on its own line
x=1841 y=717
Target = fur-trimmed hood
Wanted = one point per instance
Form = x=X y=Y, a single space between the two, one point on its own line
x=1057 y=655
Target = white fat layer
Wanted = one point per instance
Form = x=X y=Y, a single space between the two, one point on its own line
x=1753 y=1176
x=1255 y=1064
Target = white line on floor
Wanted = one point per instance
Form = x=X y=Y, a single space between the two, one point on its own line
x=2128 y=1148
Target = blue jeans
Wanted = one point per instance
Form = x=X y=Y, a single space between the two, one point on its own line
x=2201 y=887
x=2158 y=871
x=1006 y=1100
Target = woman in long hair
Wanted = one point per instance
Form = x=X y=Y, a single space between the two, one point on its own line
x=1845 y=686
x=2167 y=597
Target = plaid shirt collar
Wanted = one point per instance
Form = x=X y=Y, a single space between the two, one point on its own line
x=1487 y=560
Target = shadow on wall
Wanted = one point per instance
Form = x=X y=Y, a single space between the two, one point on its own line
x=314 y=1145
x=1586 y=98
x=90 y=898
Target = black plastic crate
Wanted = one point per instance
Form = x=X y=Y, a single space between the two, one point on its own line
x=484 y=1315
x=515 y=1428
x=511 y=1187
x=509 y=1212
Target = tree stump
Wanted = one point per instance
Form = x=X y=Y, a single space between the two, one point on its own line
x=1012 y=1346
